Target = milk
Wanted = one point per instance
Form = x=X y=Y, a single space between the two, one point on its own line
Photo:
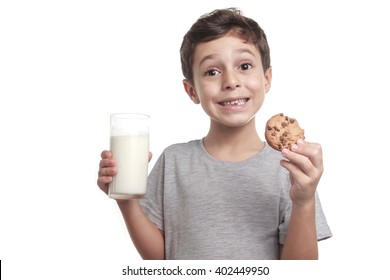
x=131 y=155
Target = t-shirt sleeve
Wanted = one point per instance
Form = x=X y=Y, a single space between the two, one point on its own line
x=323 y=229
x=152 y=202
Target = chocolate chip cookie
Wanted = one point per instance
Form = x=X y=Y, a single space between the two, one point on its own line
x=282 y=131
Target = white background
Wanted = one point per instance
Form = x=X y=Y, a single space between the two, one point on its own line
x=65 y=66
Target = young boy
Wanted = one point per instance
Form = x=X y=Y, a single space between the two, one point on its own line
x=228 y=195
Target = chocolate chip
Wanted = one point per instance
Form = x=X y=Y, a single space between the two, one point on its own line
x=292 y=120
x=269 y=127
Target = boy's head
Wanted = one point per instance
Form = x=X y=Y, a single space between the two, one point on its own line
x=216 y=25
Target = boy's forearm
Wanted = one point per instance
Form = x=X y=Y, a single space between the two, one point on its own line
x=147 y=238
x=301 y=239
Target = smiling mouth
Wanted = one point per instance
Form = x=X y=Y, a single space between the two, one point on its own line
x=234 y=102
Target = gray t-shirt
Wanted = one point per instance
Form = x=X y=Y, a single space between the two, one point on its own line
x=212 y=209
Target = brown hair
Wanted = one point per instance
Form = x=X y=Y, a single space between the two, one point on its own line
x=216 y=25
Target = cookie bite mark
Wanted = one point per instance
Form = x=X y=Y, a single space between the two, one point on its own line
x=282 y=132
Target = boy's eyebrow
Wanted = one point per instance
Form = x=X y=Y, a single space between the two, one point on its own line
x=239 y=51
x=207 y=57
x=248 y=51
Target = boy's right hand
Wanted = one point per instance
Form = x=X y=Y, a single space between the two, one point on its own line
x=107 y=170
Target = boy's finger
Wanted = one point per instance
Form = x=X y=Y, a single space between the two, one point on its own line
x=313 y=151
x=108 y=171
x=105 y=154
x=292 y=168
x=299 y=160
x=110 y=162
x=107 y=163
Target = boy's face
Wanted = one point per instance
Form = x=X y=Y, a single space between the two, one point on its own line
x=229 y=81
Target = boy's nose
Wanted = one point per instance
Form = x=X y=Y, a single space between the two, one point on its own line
x=231 y=81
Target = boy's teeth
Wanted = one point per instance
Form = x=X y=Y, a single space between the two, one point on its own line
x=234 y=102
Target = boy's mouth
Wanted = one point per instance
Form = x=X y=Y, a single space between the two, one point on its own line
x=236 y=102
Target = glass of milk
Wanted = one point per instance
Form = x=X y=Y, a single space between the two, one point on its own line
x=129 y=145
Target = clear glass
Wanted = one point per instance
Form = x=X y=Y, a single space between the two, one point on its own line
x=129 y=144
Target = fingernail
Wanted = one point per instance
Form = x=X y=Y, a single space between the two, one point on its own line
x=300 y=142
x=294 y=147
x=285 y=152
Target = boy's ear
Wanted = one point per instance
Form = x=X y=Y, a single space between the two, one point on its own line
x=191 y=91
x=268 y=79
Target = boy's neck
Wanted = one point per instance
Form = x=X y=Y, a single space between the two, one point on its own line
x=233 y=143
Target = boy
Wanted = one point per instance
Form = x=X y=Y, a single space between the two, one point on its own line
x=228 y=195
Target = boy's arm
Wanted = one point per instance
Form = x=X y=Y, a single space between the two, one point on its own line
x=147 y=238
x=301 y=239
x=304 y=162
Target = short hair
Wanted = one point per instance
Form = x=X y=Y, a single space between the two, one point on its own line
x=217 y=24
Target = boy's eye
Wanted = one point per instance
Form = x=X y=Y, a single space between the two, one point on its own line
x=211 y=72
x=245 y=66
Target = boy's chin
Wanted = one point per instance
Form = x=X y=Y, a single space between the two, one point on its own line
x=236 y=123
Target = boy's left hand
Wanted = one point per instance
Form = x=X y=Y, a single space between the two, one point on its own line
x=304 y=162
